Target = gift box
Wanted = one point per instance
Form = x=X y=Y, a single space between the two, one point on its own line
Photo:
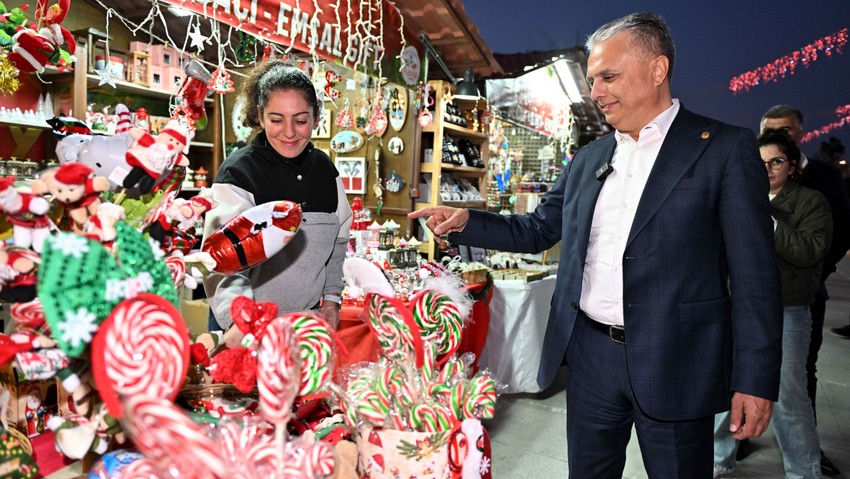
x=463 y=451
x=27 y=405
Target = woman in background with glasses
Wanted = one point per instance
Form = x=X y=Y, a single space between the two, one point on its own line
x=802 y=233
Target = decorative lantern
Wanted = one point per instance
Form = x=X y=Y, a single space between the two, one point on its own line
x=386 y=236
x=138 y=68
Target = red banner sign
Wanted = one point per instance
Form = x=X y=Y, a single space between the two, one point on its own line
x=349 y=32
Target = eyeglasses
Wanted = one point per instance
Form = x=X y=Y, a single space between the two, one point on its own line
x=775 y=163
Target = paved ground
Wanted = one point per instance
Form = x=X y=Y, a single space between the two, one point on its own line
x=529 y=432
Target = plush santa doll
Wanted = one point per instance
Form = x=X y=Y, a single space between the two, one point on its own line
x=152 y=156
x=28 y=214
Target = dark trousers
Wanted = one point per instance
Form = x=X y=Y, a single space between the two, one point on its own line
x=601 y=410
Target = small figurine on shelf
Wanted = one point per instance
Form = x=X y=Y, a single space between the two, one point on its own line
x=142 y=120
x=201 y=178
x=151 y=156
x=28 y=214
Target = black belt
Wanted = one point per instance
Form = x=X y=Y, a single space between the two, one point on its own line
x=616 y=333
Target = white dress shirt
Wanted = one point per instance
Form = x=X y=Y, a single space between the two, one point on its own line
x=602 y=282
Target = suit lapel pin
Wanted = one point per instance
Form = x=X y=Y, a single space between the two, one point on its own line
x=705 y=135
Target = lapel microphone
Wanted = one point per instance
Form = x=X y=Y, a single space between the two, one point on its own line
x=604 y=171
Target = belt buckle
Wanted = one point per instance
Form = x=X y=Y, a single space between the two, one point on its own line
x=611 y=330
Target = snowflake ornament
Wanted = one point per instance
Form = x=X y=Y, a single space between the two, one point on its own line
x=79 y=327
x=70 y=244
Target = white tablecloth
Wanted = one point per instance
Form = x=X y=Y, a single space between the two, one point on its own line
x=518 y=315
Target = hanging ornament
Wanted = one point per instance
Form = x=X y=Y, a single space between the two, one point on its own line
x=245 y=48
x=107 y=76
x=361 y=106
x=197 y=38
x=379 y=190
x=410 y=65
x=378 y=122
x=8 y=77
x=345 y=119
x=398 y=107
x=221 y=82
x=425 y=118
x=331 y=79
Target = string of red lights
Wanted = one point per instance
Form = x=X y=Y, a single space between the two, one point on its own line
x=843 y=113
x=786 y=65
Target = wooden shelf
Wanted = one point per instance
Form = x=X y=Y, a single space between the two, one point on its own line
x=453 y=169
x=25 y=124
x=126 y=87
x=478 y=204
x=436 y=170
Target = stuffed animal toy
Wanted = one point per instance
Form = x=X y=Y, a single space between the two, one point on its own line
x=180 y=214
x=28 y=214
x=151 y=156
x=74 y=186
x=101 y=226
x=18 y=275
x=52 y=44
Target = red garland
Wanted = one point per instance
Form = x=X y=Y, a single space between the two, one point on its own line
x=843 y=113
x=788 y=63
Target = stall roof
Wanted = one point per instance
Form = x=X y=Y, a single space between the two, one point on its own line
x=452 y=32
x=445 y=22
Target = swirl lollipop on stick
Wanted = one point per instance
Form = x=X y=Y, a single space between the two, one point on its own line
x=142 y=348
x=439 y=319
x=395 y=329
x=278 y=376
x=170 y=439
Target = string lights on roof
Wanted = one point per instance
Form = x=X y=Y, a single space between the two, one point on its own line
x=787 y=64
x=843 y=113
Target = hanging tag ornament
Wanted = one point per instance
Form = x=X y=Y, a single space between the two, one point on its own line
x=345 y=119
x=221 y=82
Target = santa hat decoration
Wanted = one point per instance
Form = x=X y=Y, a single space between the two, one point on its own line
x=180 y=132
x=73 y=173
x=31 y=51
x=6 y=182
x=124 y=117
x=205 y=197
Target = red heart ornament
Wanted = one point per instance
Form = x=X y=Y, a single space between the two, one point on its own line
x=252 y=317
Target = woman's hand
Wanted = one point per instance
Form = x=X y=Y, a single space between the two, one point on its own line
x=329 y=311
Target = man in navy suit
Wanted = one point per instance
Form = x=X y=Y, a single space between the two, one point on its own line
x=667 y=306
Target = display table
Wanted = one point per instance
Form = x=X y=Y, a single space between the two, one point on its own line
x=519 y=312
x=360 y=344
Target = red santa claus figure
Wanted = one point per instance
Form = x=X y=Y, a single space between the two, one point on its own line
x=18 y=274
x=179 y=214
x=152 y=156
x=28 y=214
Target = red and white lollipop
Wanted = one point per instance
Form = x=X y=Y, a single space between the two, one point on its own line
x=141 y=349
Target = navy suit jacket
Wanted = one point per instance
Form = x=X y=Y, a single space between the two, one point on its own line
x=702 y=298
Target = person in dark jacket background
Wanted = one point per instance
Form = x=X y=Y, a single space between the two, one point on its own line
x=802 y=233
x=826 y=179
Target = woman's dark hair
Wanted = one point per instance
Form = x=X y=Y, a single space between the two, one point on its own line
x=785 y=144
x=269 y=77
